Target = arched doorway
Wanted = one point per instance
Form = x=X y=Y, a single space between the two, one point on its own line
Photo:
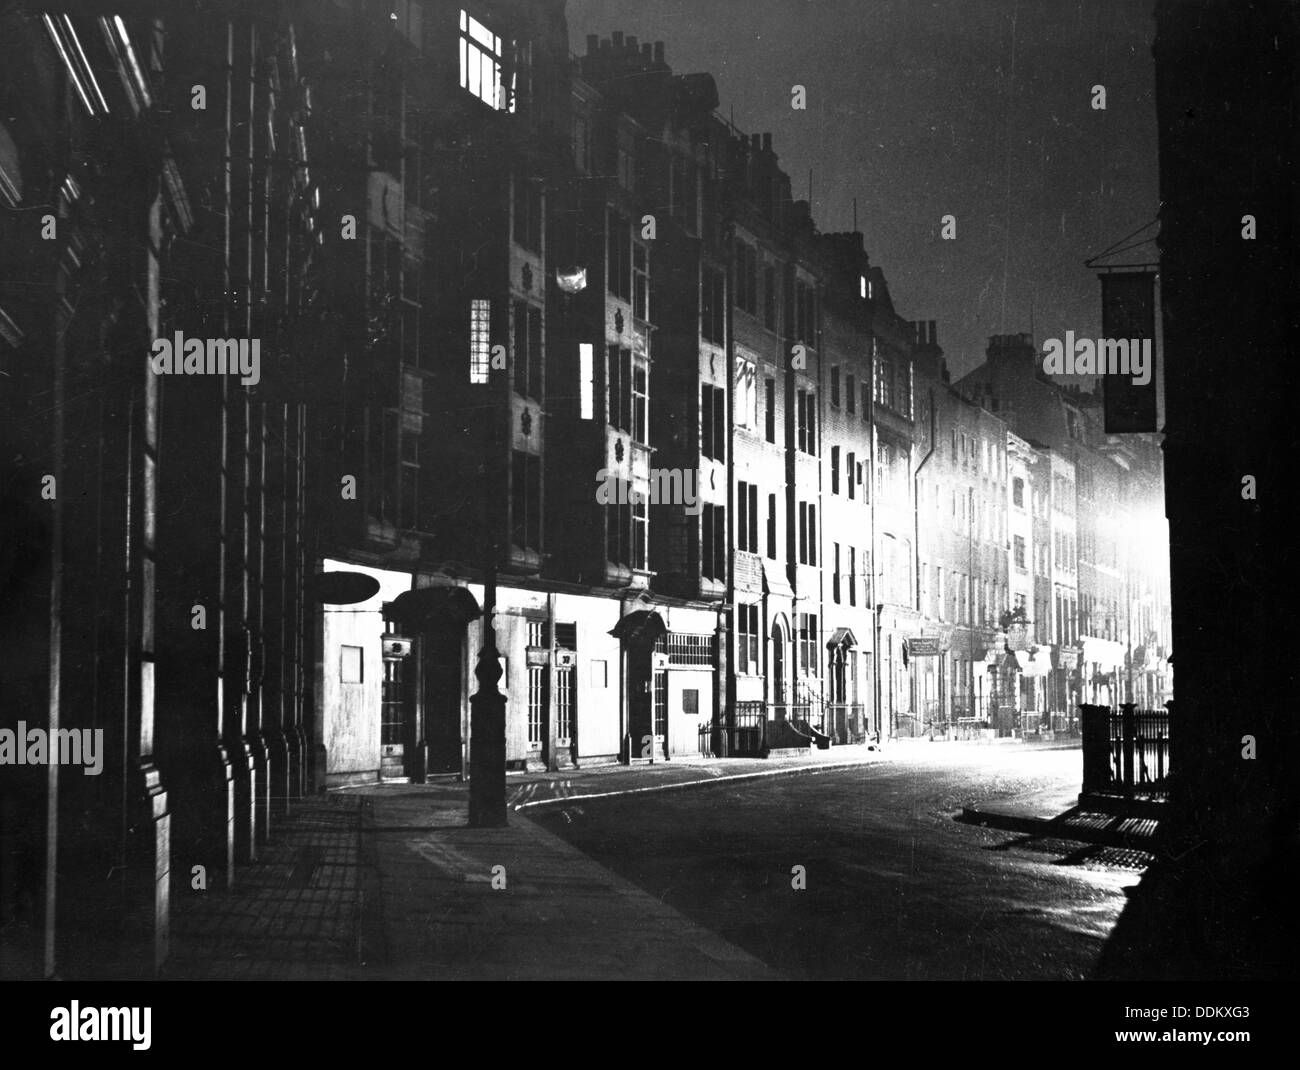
x=843 y=714
x=778 y=676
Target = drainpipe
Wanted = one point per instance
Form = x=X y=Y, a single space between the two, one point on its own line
x=874 y=572
x=916 y=505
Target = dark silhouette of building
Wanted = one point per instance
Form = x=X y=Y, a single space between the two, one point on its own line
x=157 y=187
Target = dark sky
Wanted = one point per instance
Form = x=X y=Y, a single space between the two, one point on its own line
x=976 y=108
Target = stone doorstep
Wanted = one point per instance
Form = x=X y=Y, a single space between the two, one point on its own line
x=1116 y=804
x=1072 y=824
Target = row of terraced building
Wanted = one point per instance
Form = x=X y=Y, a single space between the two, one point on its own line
x=539 y=331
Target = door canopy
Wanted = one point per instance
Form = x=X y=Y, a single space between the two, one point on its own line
x=641 y=626
x=841 y=637
x=427 y=608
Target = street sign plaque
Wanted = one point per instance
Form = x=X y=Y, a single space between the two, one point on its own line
x=923 y=646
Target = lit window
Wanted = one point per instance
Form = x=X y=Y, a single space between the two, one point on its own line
x=480 y=352
x=480 y=63
x=586 y=381
x=862 y=285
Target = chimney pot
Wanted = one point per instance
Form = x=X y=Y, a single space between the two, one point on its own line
x=618 y=39
x=646 y=52
x=755 y=140
x=659 y=52
x=593 y=43
x=767 y=142
x=631 y=43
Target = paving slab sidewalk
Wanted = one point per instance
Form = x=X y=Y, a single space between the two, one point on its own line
x=388 y=882
x=294 y=914
x=515 y=903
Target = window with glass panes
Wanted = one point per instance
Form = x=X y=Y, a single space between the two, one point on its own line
x=713 y=422
x=806 y=422
x=536 y=686
x=480 y=349
x=884 y=375
x=809 y=654
x=527 y=213
x=771 y=526
x=619 y=256
x=747 y=634
x=618 y=384
x=746 y=394
x=640 y=400
x=393 y=704
x=640 y=532
x=640 y=281
x=527 y=368
x=807 y=533
x=713 y=309
x=480 y=63
x=747 y=517
x=713 y=542
x=619 y=525
x=526 y=501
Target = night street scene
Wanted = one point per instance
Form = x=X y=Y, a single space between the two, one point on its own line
x=649 y=490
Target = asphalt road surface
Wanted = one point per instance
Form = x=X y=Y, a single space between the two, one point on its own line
x=895 y=889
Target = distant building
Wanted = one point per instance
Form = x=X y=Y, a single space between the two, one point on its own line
x=962 y=520
x=1109 y=596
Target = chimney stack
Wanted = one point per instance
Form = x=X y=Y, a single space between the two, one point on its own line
x=631 y=44
x=755 y=141
x=593 y=42
x=659 y=52
x=617 y=35
x=646 y=53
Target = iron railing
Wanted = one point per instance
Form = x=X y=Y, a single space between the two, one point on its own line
x=1126 y=751
x=743 y=735
x=846 y=722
